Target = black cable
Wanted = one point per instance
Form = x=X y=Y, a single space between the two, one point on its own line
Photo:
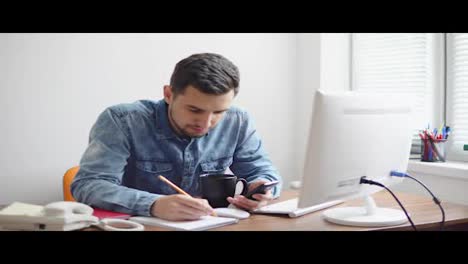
x=371 y=182
x=434 y=198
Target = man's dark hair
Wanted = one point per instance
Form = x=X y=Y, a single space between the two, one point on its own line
x=208 y=72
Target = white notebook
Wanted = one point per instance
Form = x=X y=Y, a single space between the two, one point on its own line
x=290 y=208
x=204 y=223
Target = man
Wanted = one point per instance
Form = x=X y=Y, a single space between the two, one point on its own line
x=194 y=130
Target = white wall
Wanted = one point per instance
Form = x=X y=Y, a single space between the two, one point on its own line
x=335 y=61
x=308 y=76
x=53 y=86
x=322 y=62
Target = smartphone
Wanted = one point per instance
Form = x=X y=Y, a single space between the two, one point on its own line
x=262 y=188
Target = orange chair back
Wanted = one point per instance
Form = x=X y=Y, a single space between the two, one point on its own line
x=67 y=180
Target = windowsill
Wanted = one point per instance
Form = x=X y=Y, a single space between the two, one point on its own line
x=451 y=169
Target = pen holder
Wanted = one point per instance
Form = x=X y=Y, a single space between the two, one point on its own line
x=433 y=150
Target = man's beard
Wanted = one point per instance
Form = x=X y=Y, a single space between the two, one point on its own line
x=179 y=130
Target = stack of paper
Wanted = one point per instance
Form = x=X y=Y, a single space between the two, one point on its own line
x=204 y=223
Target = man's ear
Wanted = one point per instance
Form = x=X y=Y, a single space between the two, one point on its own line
x=168 y=96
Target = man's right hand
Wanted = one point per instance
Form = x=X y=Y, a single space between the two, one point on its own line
x=180 y=207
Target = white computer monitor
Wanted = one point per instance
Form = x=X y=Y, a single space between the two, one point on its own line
x=352 y=135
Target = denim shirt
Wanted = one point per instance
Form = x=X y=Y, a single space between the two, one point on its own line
x=131 y=144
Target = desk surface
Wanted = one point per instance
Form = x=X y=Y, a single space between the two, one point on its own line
x=425 y=214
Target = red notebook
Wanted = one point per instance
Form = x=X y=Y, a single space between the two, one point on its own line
x=101 y=213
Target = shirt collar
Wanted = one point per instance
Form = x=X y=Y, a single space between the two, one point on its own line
x=162 y=122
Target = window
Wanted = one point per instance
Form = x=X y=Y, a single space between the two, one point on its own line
x=416 y=64
x=457 y=93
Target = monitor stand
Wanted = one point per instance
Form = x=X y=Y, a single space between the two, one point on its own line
x=370 y=215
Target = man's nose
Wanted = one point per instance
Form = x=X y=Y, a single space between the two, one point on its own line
x=207 y=119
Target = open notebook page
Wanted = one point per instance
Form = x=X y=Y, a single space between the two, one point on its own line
x=204 y=223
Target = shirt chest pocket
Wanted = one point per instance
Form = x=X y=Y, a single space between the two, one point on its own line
x=146 y=176
x=216 y=166
x=154 y=169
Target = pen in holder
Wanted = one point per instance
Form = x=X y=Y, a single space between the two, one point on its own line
x=433 y=150
x=433 y=143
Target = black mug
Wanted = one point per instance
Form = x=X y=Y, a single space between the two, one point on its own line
x=217 y=187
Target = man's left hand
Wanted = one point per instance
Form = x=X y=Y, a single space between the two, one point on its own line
x=242 y=202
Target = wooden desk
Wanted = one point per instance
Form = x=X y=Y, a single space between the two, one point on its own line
x=425 y=214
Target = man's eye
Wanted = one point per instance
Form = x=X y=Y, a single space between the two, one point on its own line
x=195 y=111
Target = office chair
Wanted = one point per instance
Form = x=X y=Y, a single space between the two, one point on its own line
x=67 y=180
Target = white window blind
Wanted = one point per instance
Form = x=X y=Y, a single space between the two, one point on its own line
x=398 y=63
x=457 y=97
